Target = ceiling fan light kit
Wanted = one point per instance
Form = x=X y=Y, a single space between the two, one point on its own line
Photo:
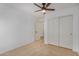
x=44 y=11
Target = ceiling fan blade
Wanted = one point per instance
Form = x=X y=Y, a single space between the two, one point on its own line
x=48 y=4
x=50 y=9
x=43 y=5
x=38 y=10
x=37 y=5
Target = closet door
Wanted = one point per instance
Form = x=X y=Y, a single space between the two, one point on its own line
x=53 y=31
x=66 y=39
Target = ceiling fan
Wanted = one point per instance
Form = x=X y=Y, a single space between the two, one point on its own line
x=44 y=7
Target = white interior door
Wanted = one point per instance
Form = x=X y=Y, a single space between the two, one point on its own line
x=66 y=24
x=53 y=31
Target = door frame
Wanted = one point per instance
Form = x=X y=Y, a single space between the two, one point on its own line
x=74 y=48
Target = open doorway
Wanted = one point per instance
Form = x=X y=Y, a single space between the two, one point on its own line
x=39 y=29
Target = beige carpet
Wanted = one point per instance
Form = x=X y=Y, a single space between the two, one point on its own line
x=38 y=48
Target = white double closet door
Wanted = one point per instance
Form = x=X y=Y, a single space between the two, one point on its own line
x=60 y=31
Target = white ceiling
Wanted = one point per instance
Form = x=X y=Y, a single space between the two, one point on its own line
x=30 y=7
x=63 y=5
x=56 y=6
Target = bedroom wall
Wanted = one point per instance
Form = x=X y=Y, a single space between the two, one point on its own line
x=68 y=11
x=16 y=27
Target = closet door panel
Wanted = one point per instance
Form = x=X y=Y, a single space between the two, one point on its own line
x=66 y=32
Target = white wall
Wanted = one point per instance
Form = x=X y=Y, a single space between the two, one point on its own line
x=64 y=12
x=16 y=27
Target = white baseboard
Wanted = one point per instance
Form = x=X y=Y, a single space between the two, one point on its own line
x=1 y=52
